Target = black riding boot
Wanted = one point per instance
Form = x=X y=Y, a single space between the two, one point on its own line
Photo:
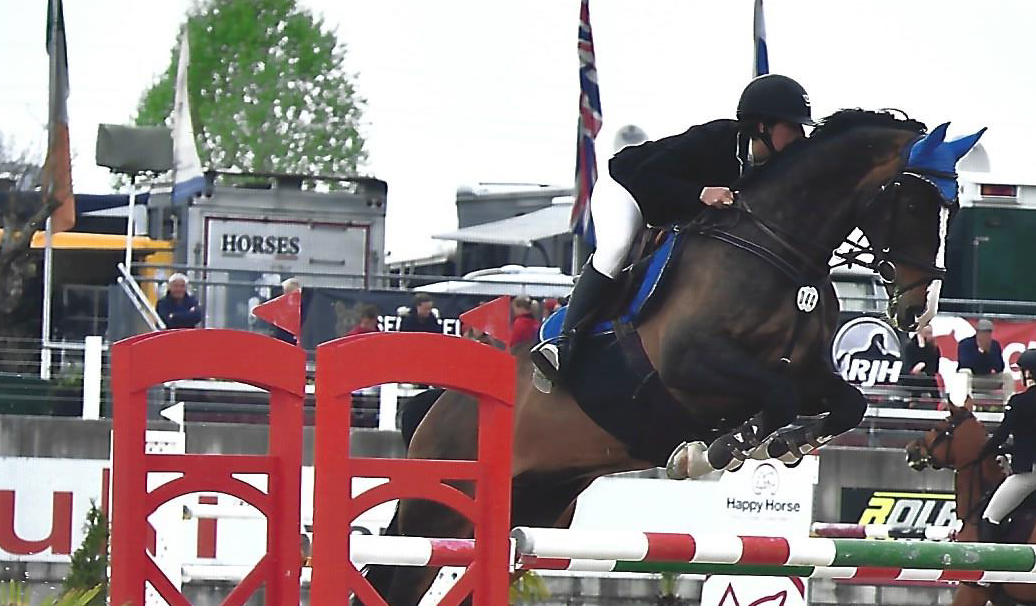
x=552 y=358
x=988 y=531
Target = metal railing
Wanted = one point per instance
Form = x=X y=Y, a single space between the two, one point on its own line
x=73 y=376
x=129 y=285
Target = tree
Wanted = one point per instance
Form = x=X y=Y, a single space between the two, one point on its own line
x=90 y=562
x=267 y=89
x=23 y=212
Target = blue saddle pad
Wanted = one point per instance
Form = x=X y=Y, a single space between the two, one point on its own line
x=657 y=268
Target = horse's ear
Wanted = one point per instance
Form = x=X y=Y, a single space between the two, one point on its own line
x=963 y=145
x=927 y=145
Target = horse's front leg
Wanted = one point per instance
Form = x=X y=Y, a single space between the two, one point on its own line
x=715 y=366
x=843 y=406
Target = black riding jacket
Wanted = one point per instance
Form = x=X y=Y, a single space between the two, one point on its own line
x=666 y=177
x=1020 y=422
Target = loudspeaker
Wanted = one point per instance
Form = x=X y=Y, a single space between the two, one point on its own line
x=134 y=149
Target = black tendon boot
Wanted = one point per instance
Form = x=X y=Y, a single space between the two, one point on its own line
x=552 y=358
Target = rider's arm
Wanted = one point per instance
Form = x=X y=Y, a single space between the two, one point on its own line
x=678 y=167
x=1000 y=435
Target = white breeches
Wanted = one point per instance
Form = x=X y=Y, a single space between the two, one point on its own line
x=617 y=220
x=1009 y=495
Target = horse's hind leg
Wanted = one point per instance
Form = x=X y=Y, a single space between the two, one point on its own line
x=845 y=407
x=711 y=366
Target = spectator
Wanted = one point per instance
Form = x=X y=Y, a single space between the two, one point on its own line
x=921 y=359
x=981 y=354
x=289 y=286
x=524 y=326
x=178 y=308
x=549 y=305
x=421 y=316
x=368 y=321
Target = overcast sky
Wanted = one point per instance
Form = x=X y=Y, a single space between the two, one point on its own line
x=468 y=91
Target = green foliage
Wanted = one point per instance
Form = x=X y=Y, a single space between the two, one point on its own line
x=528 y=589
x=90 y=561
x=267 y=88
x=668 y=596
x=15 y=594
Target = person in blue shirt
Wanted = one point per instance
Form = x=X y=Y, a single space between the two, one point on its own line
x=981 y=354
x=178 y=308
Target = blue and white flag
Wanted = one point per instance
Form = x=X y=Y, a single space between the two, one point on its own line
x=760 y=59
x=188 y=180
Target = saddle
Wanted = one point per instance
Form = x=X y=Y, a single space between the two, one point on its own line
x=640 y=285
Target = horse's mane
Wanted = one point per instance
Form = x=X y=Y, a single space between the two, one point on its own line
x=848 y=119
x=836 y=124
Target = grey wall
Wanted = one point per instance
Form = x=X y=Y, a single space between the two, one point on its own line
x=60 y=437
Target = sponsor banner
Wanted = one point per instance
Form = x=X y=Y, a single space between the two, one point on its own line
x=866 y=351
x=275 y=245
x=44 y=502
x=898 y=507
x=763 y=498
x=43 y=506
x=760 y=498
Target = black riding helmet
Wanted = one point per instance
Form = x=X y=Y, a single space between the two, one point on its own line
x=1027 y=361
x=773 y=96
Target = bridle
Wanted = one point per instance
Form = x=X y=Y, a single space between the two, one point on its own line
x=928 y=459
x=883 y=261
x=942 y=434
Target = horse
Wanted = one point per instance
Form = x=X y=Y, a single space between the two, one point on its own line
x=735 y=350
x=955 y=443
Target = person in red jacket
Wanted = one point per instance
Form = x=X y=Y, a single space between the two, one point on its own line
x=368 y=321
x=524 y=327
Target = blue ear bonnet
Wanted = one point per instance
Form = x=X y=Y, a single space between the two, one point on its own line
x=935 y=160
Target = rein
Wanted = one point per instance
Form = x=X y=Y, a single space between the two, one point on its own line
x=979 y=479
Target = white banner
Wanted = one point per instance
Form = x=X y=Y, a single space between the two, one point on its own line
x=276 y=246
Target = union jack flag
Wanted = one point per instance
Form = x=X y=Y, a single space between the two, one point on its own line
x=589 y=126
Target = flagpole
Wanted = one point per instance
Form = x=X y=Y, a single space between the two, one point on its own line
x=129 y=222
x=48 y=249
x=48 y=271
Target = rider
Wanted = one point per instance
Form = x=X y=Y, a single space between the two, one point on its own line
x=1019 y=421
x=663 y=176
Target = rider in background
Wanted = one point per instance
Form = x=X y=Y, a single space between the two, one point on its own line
x=666 y=181
x=1019 y=421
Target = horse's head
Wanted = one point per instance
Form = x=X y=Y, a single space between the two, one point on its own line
x=954 y=441
x=908 y=221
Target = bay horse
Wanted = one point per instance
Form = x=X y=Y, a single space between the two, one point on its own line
x=955 y=443
x=729 y=343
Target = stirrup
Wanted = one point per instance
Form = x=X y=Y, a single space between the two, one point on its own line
x=546 y=363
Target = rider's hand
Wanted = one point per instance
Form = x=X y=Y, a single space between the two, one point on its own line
x=717 y=196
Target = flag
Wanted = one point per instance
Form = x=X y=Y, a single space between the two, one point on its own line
x=588 y=127
x=761 y=60
x=284 y=312
x=492 y=318
x=57 y=170
x=188 y=180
